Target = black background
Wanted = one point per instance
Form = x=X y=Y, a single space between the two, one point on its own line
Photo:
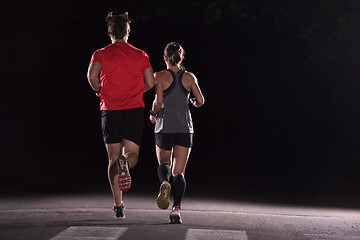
x=280 y=79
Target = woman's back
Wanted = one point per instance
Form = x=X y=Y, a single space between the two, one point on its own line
x=174 y=115
x=166 y=79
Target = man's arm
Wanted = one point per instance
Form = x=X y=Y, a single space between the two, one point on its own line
x=93 y=75
x=149 y=81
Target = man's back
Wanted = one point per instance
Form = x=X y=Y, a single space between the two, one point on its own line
x=122 y=81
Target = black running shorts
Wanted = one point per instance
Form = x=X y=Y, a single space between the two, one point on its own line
x=119 y=124
x=166 y=141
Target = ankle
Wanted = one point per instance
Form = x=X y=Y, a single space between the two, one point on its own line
x=117 y=205
x=177 y=208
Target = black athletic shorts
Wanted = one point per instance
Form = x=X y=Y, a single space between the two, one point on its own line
x=119 y=124
x=166 y=141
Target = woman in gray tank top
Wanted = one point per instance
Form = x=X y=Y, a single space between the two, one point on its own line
x=174 y=127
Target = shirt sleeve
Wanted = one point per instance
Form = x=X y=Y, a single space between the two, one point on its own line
x=97 y=56
x=146 y=62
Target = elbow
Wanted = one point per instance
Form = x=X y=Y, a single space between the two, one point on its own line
x=93 y=81
x=92 y=78
x=148 y=86
x=201 y=102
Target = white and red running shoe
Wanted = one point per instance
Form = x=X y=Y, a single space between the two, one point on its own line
x=175 y=217
x=124 y=178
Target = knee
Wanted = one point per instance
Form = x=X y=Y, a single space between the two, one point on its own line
x=112 y=160
x=167 y=162
x=132 y=159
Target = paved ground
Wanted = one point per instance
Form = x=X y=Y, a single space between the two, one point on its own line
x=88 y=216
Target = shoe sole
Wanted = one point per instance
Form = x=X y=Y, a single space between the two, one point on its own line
x=175 y=219
x=120 y=218
x=124 y=182
x=163 y=199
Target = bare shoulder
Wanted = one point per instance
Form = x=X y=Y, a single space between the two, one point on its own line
x=189 y=77
x=188 y=80
x=161 y=75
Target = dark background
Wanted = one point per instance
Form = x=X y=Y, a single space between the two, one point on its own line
x=280 y=79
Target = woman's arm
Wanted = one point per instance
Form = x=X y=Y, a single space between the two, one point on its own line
x=158 y=96
x=93 y=76
x=156 y=106
x=198 y=99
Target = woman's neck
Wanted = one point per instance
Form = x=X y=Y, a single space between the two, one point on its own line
x=174 y=68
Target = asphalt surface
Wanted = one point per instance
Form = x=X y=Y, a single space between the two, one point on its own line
x=89 y=216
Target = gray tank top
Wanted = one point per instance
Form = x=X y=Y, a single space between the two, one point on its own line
x=174 y=115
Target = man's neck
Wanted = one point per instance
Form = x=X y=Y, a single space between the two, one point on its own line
x=118 y=40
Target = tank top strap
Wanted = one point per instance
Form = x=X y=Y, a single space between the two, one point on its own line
x=172 y=85
x=181 y=74
x=177 y=77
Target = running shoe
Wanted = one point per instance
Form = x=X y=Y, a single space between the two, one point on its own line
x=175 y=217
x=119 y=212
x=163 y=198
x=124 y=178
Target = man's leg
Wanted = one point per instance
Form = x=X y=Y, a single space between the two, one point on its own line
x=131 y=152
x=114 y=151
x=128 y=159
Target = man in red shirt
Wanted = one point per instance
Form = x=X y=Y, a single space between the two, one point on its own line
x=125 y=73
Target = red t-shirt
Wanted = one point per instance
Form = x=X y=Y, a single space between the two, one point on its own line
x=121 y=78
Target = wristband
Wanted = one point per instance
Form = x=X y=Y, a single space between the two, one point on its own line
x=152 y=113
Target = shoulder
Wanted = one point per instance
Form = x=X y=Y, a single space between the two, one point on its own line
x=104 y=49
x=101 y=51
x=98 y=55
x=189 y=76
x=162 y=74
x=137 y=50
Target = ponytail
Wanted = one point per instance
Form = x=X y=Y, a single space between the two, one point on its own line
x=174 y=52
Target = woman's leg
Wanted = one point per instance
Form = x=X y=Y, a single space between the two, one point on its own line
x=164 y=173
x=164 y=159
x=181 y=156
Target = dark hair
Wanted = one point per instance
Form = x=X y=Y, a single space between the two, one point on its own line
x=173 y=52
x=117 y=24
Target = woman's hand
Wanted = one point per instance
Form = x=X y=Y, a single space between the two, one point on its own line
x=194 y=102
x=152 y=119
